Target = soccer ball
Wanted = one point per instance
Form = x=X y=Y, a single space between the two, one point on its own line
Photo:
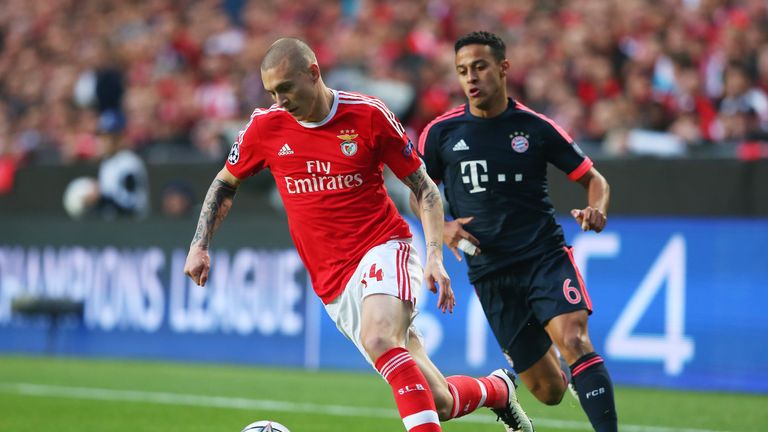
x=265 y=426
x=79 y=196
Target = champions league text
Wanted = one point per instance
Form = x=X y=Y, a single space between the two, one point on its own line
x=249 y=291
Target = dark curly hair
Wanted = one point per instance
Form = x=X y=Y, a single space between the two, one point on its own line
x=498 y=48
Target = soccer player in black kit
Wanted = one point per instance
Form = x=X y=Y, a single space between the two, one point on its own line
x=491 y=154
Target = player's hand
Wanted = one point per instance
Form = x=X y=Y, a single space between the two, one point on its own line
x=453 y=233
x=590 y=218
x=198 y=265
x=437 y=278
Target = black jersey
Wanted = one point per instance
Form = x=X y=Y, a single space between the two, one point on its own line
x=495 y=169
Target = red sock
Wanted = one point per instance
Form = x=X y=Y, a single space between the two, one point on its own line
x=413 y=396
x=470 y=394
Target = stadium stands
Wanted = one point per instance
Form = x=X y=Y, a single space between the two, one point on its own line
x=623 y=77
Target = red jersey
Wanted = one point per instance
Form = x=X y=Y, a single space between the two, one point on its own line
x=330 y=177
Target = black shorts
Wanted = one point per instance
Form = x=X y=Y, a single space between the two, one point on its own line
x=520 y=300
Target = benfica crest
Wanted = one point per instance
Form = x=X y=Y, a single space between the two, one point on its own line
x=348 y=145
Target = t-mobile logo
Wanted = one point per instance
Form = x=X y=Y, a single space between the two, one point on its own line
x=477 y=174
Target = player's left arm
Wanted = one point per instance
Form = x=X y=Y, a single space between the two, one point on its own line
x=429 y=204
x=398 y=152
x=595 y=214
x=564 y=153
x=454 y=234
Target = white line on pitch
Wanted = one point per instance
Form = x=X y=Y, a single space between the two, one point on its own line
x=273 y=405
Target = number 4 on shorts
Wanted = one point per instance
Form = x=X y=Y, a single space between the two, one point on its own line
x=378 y=274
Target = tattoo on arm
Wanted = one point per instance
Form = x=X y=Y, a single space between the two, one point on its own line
x=217 y=203
x=427 y=194
x=430 y=206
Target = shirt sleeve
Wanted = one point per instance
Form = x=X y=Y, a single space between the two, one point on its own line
x=429 y=148
x=244 y=159
x=563 y=152
x=397 y=150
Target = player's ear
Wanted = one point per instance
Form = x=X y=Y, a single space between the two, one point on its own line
x=504 y=67
x=314 y=72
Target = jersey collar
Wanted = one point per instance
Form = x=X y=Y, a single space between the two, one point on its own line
x=511 y=104
x=327 y=118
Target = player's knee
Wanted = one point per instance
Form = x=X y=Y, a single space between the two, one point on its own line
x=549 y=393
x=552 y=396
x=575 y=344
x=376 y=345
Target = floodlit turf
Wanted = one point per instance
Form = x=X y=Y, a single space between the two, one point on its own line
x=120 y=396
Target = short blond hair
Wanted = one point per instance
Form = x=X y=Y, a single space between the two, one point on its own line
x=299 y=55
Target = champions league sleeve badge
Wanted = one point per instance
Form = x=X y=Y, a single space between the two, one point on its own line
x=234 y=154
x=348 y=145
x=408 y=149
x=519 y=142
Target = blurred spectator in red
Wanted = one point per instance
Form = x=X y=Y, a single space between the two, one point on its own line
x=184 y=71
x=696 y=115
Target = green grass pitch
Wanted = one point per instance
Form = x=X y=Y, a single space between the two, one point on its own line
x=66 y=394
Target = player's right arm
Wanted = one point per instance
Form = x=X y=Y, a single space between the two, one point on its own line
x=216 y=206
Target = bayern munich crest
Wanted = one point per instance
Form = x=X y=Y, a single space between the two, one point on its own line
x=519 y=143
x=348 y=145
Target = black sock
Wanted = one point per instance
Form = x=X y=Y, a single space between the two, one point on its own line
x=593 y=384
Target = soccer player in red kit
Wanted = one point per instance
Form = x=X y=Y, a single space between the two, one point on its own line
x=326 y=150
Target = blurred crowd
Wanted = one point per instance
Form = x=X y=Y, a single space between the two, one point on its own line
x=667 y=77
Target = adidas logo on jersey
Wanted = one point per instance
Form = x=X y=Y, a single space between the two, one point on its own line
x=285 y=150
x=461 y=145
